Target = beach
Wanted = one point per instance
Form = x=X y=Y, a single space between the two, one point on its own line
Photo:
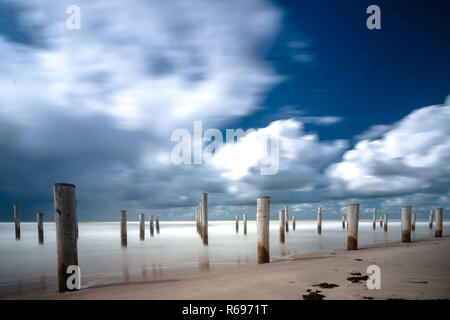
x=417 y=270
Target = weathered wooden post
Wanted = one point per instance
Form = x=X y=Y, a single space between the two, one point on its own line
x=17 y=220
x=286 y=218
x=262 y=225
x=200 y=211
x=438 y=228
x=352 y=221
x=152 y=229
x=245 y=223
x=406 y=224
x=385 y=222
x=205 y=218
x=237 y=224
x=157 y=224
x=431 y=219
x=319 y=220
x=381 y=221
x=282 y=225
x=123 y=227
x=293 y=223
x=66 y=237
x=413 y=222
x=374 y=219
x=343 y=222
x=141 y=226
x=40 y=227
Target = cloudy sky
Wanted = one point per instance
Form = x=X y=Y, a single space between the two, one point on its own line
x=360 y=115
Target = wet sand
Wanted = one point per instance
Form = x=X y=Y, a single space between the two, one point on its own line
x=419 y=270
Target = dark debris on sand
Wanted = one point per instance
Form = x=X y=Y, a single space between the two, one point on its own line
x=314 y=296
x=326 y=285
x=357 y=279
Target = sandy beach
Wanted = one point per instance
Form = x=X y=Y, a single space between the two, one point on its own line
x=418 y=270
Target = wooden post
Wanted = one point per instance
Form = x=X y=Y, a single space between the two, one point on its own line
x=205 y=218
x=352 y=221
x=374 y=219
x=406 y=224
x=385 y=222
x=152 y=229
x=200 y=212
x=439 y=218
x=123 y=227
x=413 y=222
x=431 y=219
x=237 y=224
x=245 y=223
x=293 y=223
x=66 y=237
x=262 y=225
x=381 y=221
x=157 y=224
x=319 y=220
x=343 y=222
x=17 y=220
x=282 y=225
x=286 y=218
x=141 y=226
x=40 y=226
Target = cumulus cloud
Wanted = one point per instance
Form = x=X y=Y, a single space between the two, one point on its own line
x=412 y=157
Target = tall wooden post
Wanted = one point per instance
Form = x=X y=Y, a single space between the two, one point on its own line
x=66 y=235
x=282 y=225
x=237 y=224
x=262 y=225
x=406 y=224
x=439 y=218
x=413 y=222
x=245 y=223
x=123 y=228
x=205 y=218
x=157 y=224
x=152 y=229
x=431 y=219
x=286 y=218
x=319 y=220
x=385 y=222
x=40 y=227
x=353 y=221
x=374 y=218
x=142 y=226
x=17 y=220
x=293 y=223
x=343 y=222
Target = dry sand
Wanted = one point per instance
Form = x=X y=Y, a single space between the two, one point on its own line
x=420 y=270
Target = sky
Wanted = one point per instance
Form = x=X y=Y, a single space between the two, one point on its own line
x=359 y=115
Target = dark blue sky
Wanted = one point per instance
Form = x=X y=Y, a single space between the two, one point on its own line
x=365 y=76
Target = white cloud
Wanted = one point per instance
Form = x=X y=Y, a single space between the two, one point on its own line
x=413 y=156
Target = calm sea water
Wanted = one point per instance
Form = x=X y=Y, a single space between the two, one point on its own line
x=29 y=268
